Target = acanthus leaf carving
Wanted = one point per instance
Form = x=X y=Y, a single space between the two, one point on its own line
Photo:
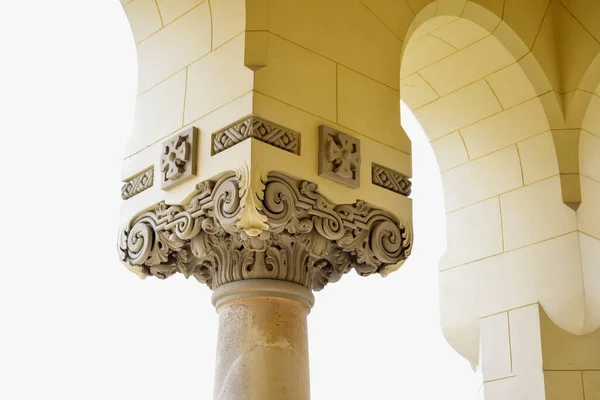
x=302 y=237
x=251 y=218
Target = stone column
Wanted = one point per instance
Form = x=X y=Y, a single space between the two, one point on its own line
x=266 y=166
x=263 y=250
x=262 y=350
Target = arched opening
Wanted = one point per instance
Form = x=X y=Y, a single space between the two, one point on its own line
x=479 y=95
x=588 y=214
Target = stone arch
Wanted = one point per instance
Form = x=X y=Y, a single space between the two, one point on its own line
x=588 y=215
x=489 y=109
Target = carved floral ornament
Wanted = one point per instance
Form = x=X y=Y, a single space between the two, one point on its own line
x=339 y=157
x=270 y=227
x=178 y=158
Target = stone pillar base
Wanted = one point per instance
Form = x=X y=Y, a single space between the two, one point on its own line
x=262 y=350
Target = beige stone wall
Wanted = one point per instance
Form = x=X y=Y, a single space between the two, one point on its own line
x=342 y=66
x=179 y=43
x=210 y=63
x=352 y=73
x=523 y=353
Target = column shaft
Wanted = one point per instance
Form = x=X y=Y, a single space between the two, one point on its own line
x=262 y=350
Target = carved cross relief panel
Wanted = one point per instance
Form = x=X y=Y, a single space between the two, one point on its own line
x=339 y=157
x=178 y=158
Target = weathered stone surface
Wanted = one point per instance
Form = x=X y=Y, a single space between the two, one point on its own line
x=262 y=345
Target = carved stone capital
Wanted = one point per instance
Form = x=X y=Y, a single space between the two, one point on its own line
x=306 y=239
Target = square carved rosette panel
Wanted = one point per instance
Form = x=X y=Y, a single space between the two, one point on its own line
x=339 y=157
x=178 y=159
x=241 y=196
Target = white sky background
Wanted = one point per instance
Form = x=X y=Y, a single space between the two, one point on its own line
x=75 y=324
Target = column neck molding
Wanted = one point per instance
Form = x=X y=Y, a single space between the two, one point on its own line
x=268 y=288
x=303 y=238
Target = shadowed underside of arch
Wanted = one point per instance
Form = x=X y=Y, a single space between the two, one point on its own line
x=507 y=144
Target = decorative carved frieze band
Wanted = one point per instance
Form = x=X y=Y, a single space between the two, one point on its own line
x=138 y=184
x=339 y=157
x=178 y=158
x=308 y=240
x=258 y=129
x=391 y=180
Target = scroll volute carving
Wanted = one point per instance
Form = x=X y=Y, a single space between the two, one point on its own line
x=307 y=239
